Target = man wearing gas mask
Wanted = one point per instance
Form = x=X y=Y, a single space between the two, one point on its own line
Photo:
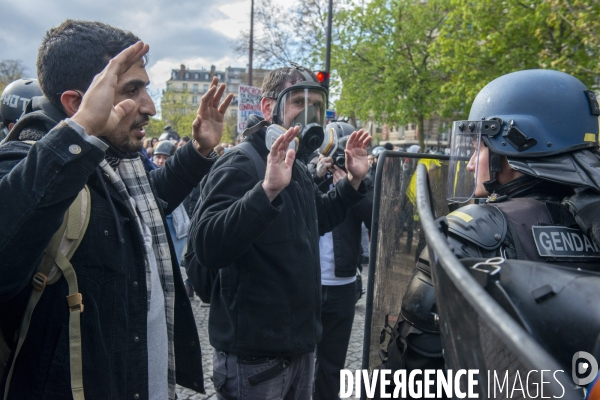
x=261 y=232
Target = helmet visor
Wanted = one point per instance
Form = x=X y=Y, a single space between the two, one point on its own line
x=464 y=160
x=302 y=107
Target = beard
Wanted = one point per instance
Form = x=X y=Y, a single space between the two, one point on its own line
x=127 y=144
x=126 y=140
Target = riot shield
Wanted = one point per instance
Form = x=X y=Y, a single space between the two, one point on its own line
x=396 y=241
x=477 y=332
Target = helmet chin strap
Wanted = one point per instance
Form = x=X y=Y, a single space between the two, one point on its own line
x=495 y=167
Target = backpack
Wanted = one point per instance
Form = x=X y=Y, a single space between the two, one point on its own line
x=203 y=279
x=55 y=263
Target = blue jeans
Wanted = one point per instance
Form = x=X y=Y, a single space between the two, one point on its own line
x=263 y=378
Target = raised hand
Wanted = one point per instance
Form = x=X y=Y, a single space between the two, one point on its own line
x=207 y=128
x=97 y=113
x=356 y=157
x=279 y=164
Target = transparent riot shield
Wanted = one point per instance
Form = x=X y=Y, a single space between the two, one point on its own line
x=477 y=332
x=396 y=241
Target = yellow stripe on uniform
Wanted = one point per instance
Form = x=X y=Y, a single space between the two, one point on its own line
x=590 y=137
x=459 y=214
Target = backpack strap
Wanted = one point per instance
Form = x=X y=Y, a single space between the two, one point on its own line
x=55 y=263
x=259 y=163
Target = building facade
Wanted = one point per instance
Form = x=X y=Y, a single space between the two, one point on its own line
x=186 y=87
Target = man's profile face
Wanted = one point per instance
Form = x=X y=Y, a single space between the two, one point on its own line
x=129 y=134
x=480 y=162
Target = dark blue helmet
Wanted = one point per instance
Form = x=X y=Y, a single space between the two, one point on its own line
x=540 y=113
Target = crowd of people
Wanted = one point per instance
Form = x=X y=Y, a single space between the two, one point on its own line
x=92 y=299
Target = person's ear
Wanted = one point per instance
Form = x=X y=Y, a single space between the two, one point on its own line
x=10 y=125
x=71 y=101
x=266 y=107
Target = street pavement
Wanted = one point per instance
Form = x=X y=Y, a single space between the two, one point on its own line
x=353 y=357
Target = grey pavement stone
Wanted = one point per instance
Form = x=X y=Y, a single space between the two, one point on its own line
x=353 y=357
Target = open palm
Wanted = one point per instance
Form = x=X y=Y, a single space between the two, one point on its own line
x=356 y=154
x=207 y=128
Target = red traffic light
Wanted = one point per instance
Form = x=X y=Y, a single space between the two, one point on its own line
x=322 y=76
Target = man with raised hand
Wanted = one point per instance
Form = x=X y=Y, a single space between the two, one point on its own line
x=137 y=331
x=261 y=232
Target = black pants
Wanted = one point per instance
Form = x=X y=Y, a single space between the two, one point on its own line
x=337 y=315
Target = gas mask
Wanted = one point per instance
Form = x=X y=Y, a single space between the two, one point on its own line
x=303 y=105
x=334 y=144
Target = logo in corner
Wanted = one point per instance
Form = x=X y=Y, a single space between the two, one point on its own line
x=584 y=368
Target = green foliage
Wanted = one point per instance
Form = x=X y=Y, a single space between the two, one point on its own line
x=154 y=128
x=384 y=60
x=229 y=128
x=482 y=40
x=178 y=112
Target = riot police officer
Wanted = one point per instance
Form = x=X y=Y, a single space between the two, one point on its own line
x=530 y=150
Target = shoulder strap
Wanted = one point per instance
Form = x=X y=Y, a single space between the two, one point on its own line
x=259 y=163
x=55 y=262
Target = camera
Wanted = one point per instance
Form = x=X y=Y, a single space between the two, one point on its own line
x=339 y=159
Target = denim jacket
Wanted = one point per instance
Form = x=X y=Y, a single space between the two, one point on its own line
x=37 y=185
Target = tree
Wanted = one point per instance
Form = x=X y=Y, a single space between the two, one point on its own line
x=384 y=60
x=229 y=128
x=154 y=128
x=482 y=40
x=284 y=35
x=275 y=42
x=10 y=70
x=178 y=112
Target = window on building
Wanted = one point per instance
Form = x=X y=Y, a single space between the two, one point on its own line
x=206 y=87
x=185 y=86
x=168 y=85
x=194 y=99
x=195 y=88
x=205 y=76
x=195 y=76
x=187 y=75
x=174 y=75
x=233 y=113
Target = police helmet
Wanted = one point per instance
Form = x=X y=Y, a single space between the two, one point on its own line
x=538 y=119
x=166 y=148
x=341 y=128
x=15 y=97
x=540 y=113
x=377 y=150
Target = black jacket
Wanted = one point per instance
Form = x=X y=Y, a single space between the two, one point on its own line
x=347 y=250
x=37 y=185
x=272 y=302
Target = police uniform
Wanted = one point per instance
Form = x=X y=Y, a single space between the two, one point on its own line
x=523 y=228
x=546 y=125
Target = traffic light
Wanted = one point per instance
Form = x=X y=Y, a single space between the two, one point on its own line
x=323 y=78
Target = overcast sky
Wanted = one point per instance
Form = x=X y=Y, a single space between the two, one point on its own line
x=197 y=33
